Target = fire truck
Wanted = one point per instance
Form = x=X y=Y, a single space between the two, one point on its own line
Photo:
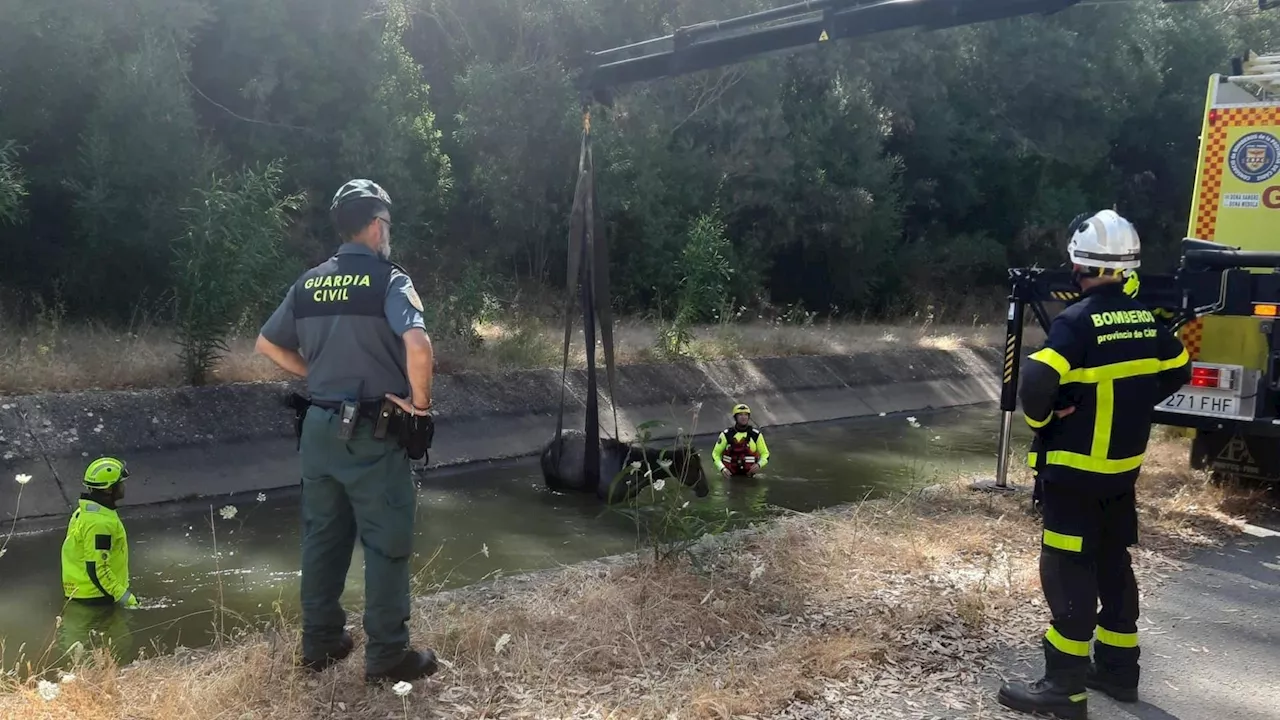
x=1223 y=299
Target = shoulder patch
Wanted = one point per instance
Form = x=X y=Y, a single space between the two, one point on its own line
x=414 y=300
x=101 y=542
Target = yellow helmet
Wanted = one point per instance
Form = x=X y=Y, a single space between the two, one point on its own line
x=740 y=408
x=104 y=472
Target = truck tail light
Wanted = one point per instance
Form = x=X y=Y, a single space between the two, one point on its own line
x=1210 y=377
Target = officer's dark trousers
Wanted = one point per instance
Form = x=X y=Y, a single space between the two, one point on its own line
x=356 y=488
x=1084 y=559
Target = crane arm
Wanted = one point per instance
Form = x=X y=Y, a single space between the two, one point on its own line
x=714 y=44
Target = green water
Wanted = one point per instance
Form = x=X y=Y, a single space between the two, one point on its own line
x=472 y=522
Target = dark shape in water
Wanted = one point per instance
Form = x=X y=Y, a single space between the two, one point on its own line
x=564 y=464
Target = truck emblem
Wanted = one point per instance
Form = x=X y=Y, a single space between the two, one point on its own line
x=1255 y=157
x=1236 y=452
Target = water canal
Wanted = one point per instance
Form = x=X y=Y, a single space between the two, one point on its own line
x=473 y=521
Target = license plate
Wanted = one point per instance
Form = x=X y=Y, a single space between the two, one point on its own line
x=1203 y=402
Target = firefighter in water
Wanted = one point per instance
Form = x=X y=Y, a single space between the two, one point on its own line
x=95 y=562
x=740 y=449
x=95 y=553
x=1089 y=394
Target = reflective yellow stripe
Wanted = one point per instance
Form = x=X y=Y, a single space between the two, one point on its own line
x=1079 y=648
x=1103 y=415
x=1113 y=371
x=1058 y=541
x=1086 y=463
x=1079 y=697
x=1116 y=639
x=1126 y=369
x=1032 y=457
x=1038 y=423
x=1053 y=359
x=1182 y=359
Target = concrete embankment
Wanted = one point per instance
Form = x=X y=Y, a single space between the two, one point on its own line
x=192 y=442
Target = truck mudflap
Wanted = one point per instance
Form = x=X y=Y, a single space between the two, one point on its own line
x=1238 y=450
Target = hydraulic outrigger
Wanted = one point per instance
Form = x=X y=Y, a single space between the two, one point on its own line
x=1212 y=279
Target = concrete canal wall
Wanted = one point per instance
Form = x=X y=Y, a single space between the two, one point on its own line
x=194 y=442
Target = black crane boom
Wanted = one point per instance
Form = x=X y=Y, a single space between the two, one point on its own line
x=718 y=43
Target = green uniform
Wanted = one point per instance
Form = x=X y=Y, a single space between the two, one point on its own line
x=95 y=555
x=346 y=317
x=94 y=626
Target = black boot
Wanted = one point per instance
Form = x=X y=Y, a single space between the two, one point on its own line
x=1061 y=693
x=415 y=664
x=1120 y=686
x=345 y=645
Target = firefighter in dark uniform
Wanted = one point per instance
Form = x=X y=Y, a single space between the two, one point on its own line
x=1131 y=286
x=740 y=450
x=353 y=327
x=1089 y=393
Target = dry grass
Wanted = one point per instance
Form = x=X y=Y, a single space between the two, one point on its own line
x=879 y=610
x=54 y=357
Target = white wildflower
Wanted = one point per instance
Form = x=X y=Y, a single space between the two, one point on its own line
x=685 y=505
x=262 y=497
x=22 y=479
x=664 y=463
x=401 y=688
x=227 y=512
x=502 y=642
x=882 y=414
x=913 y=422
x=66 y=678
x=48 y=691
x=657 y=486
x=484 y=549
x=635 y=465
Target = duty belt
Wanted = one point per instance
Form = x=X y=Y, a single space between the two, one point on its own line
x=414 y=433
x=368 y=409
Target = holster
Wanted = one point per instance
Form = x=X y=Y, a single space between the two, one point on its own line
x=299 y=403
x=416 y=434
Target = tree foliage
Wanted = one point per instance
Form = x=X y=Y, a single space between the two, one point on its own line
x=243 y=217
x=870 y=176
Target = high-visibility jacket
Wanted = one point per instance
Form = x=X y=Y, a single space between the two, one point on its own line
x=95 y=555
x=737 y=450
x=1108 y=357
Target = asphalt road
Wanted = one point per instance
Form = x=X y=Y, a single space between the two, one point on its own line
x=1210 y=640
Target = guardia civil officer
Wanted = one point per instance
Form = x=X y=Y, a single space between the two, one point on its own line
x=1089 y=394
x=353 y=327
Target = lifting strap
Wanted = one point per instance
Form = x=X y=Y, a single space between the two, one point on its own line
x=588 y=256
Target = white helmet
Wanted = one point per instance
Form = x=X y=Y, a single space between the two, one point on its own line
x=1105 y=240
